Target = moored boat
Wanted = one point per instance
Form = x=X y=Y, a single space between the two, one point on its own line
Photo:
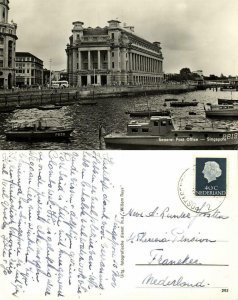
x=38 y=130
x=222 y=111
x=49 y=107
x=227 y=101
x=87 y=102
x=160 y=132
x=6 y=109
x=148 y=113
x=171 y=99
x=183 y=103
x=228 y=89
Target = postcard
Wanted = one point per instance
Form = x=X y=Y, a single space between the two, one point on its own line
x=102 y=225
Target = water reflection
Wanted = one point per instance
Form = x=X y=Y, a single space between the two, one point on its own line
x=111 y=114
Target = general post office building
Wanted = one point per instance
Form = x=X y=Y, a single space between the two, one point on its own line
x=112 y=55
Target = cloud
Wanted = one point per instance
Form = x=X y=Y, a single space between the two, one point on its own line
x=201 y=32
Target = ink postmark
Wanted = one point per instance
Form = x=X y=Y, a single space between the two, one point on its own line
x=203 y=187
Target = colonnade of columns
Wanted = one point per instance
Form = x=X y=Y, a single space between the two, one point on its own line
x=144 y=63
x=90 y=60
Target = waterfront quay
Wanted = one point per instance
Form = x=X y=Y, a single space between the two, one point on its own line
x=110 y=112
x=34 y=98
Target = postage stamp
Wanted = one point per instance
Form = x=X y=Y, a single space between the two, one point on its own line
x=210 y=177
x=202 y=188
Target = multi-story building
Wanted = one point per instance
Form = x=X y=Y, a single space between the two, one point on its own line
x=29 y=69
x=7 y=47
x=112 y=55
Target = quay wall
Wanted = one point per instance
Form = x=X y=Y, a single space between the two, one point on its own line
x=35 y=98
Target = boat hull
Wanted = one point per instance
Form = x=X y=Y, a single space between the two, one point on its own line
x=228 y=90
x=148 y=113
x=85 y=102
x=183 y=140
x=222 y=113
x=49 y=107
x=183 y=104
x=39 y=135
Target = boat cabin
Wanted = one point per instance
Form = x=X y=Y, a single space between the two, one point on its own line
x=224 y=106
x=35 y=124
x=158 y=125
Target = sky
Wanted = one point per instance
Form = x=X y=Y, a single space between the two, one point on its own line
x=198 y=34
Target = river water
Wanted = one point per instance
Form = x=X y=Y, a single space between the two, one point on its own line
x=110 y=113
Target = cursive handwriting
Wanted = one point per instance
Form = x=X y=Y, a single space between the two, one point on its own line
x=60 y=226
x=151 y=280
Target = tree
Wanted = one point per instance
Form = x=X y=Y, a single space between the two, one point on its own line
x=185 y=74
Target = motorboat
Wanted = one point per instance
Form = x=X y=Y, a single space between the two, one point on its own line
x=148 y=113
x=228 y=88
x=171 y=99
x=38 y=130
x=87 y=102
x=49 y=107
x=183 y=103
x=223 y=110
x=227 y=101
x=160 y=132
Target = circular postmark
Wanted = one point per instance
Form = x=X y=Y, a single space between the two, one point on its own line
x=198 y=204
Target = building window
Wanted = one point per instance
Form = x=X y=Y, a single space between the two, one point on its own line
x=112 y=35
x=1 y=63
x=134 y=130
x=113 y=64
x=112 y=54
x=145 y=129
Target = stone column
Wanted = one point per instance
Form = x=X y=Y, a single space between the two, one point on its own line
x=79 y=81
x=130 y=61
x=108 y=59
x=99 y=60
x=79 y=60
x=89 y=61
x=89 y=79
x=99 y=79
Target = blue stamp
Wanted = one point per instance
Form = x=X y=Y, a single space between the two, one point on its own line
x=210 y=177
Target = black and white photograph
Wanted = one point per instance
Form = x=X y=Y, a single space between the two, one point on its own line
x=96 y=75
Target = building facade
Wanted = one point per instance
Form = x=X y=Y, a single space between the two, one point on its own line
x=112 y=55
x=7 y=47
x=29 y=69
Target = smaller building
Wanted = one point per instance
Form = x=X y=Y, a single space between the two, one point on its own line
x=29 y=69
x=59 y=75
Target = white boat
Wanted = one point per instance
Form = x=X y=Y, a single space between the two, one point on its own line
x=160 y=132
x=223 y=110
